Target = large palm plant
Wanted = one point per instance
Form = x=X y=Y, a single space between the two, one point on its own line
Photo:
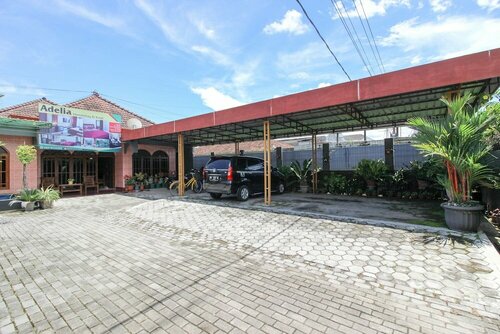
x=458 y=141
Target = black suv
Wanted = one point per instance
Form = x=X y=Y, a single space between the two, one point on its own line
x=238 y=175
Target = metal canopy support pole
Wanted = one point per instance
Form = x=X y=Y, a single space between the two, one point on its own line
x=180 y=163
x=236 y=147
x=314 y=163
x=267 y=163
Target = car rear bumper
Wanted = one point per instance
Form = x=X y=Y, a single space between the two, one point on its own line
x=218 y=188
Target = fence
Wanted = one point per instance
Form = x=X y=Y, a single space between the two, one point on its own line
x=341 y=158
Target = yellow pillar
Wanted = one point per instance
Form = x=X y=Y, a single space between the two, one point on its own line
x=314 y=163
x=180 y=163
x=267 y=163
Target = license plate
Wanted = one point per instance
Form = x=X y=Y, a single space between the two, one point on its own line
x=213 y=178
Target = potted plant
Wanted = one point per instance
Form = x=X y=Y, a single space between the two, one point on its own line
x=129 y=183
x=424 y=171
x=301 y=173
x=139 y=181
x=71 y=181
x=458 y=141
x=27 y=198
x=26 y=154
x=47 y=197
x=372 y=171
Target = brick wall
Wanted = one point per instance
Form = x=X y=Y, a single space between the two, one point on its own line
x=16 y=168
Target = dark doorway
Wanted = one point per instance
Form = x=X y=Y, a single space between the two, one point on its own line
x=106 y=171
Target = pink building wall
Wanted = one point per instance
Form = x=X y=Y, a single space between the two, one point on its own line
x=16 y=168
x=123 y=161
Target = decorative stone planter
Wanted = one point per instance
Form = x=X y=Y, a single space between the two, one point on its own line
x=28 y=206
x=303 y=188
x=46 y=204
x=463 y=218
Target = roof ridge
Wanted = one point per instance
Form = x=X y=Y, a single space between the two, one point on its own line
x=96 y=94
x=20 y=105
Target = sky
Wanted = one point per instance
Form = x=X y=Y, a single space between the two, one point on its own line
x=172 y=59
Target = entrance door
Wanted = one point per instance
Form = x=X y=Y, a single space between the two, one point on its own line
x=105 y=171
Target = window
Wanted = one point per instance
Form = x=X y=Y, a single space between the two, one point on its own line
x=241 y=164
x=218 y=163
x=255 y=165
x=141 y=162
x=159 y=163
x=4 y=169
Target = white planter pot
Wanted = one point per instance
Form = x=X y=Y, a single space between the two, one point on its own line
x=28 y=206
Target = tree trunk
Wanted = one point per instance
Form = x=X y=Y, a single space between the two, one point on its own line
x=25 y=183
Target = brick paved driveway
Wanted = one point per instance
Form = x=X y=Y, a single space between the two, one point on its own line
x=111 y=263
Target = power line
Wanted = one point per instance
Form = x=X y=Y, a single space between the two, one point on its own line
x=366 y=34
x=142 y=105
x=45 y=88
x=320 y=36
x=371 y=33
x=106 y=95
x=344 y=22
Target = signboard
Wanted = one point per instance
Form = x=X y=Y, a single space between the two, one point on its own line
x=78 y=130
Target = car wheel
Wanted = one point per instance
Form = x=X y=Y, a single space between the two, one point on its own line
x=243 y=193
x=215 y=195
x=281 y=188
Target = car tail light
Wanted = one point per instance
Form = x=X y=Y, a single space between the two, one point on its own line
x=205 y=174
x=230 y=173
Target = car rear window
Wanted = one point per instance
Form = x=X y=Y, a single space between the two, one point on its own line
x=221 y=163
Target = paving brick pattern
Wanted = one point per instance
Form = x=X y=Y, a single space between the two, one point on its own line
x=119 y=264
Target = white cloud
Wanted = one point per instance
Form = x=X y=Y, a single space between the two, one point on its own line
x=154 y=14
x=244 y=75
x=290 y=23
x=450 y=37
x=311 y=64
x=7 y=88
x=416 y=60
x=324 y=84
x=310 y=56
x=439 y=6
x=215 y=99
x=299 y=75
x=105 y=20
x=371 y=7
x=489 y=4
x=215 y=56
x=202 y=27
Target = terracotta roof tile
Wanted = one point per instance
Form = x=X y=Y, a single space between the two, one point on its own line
x=27 y=109
x=94 y=102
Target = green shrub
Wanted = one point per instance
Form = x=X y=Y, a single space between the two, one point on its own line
x=372 y=172
x=334 y=183
x=29 y=195
x=290 y=178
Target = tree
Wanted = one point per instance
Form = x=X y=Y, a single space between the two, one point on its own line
x=26 y=154
x=459 y=141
